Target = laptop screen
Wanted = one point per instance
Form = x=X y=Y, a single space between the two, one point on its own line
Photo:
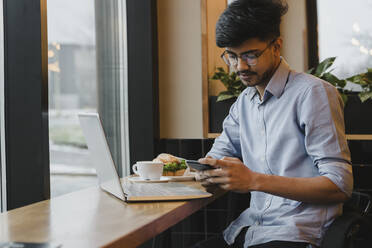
x=100 y=154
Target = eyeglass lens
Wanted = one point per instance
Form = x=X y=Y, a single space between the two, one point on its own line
x=232 y=60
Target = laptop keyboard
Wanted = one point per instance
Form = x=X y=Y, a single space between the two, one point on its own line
x=159 y=189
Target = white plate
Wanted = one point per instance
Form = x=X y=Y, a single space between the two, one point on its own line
x=182 y=178
x=141 y=180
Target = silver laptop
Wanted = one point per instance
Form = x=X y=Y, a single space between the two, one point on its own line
x=108 y=177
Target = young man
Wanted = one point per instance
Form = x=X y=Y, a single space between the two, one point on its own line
x=283 y=140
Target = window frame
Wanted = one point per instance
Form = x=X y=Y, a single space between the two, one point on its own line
x=312 y=32
x=25 y=103
x=2 y=119
x=26 y=139
x=143 y=85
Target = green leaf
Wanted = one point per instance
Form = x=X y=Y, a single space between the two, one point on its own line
x=236 y=84
x=234 y=76
x=344 y=98
x=342 y=83
x=364 y=96
x=310 y=71
x=237 y=93
x=225 y=81
x=331 y=78
x=215 y=77
x=224 y=95
x=323 y=66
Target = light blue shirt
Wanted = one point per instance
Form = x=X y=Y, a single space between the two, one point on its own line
x=297 y=130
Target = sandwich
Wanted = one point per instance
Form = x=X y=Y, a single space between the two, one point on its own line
x=173 y=166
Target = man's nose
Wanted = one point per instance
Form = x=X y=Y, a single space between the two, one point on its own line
x=242 y=65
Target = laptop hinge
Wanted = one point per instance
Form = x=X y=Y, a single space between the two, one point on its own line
x=125 y=196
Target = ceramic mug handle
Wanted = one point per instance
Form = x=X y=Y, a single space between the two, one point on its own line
x=135 y=169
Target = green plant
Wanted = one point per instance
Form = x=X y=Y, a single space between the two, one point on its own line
x=232 y=83
x=324 y=72
x=365 y=81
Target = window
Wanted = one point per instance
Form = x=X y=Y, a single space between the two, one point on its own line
x=87 y=73
x=345 y=31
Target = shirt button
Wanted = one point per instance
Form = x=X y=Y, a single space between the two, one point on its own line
x=267 y=204
x=257 y=223
x=263 y=158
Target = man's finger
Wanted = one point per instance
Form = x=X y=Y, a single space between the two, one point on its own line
x=208 y=160
x=206 y=184
x=225 y=186
x=211 y=188
x=215 y=162
x=215 y=173
x=231 y=159
x=201 y=175
x=218 y=180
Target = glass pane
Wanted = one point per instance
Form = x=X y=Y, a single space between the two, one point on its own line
x=86 y=74
x=345 y=31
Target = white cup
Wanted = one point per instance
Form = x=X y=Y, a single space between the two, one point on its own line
x=148 y=170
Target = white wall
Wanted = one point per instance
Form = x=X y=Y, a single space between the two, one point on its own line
x=180 y=68
x=293 y=32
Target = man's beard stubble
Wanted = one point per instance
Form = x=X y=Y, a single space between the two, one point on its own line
x=263 y=79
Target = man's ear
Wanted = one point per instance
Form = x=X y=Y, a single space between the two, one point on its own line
x=278 y=45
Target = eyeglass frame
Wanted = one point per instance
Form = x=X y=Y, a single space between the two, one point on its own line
x=245 y=53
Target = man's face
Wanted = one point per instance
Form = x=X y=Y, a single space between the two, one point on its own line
x=266 y=63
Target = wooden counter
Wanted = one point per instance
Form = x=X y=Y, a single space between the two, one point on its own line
x=93 y=218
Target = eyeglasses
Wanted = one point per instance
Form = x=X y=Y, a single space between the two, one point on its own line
x=231 y=59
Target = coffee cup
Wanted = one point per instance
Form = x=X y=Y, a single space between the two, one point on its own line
x=148 y=170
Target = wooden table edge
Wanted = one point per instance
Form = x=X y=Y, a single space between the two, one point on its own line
x=143 y=234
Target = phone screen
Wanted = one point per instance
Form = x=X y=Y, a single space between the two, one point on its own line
x=198 y=166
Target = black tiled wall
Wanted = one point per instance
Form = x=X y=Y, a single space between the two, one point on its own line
x=361 y=151
x=361 y=158
x=185 y=148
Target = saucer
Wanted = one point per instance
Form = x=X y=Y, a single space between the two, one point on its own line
x=141 y=180
x=182 y=178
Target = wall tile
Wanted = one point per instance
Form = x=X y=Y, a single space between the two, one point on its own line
x=216 y=221
x=362 y=176
x=172 y=146
x=191 y=148
x=361 y=151
x=191 y=239
x=207 y=146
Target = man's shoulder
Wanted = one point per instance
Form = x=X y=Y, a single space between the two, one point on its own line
x=303 y=82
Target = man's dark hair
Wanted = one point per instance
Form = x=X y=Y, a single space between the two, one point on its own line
x=246 y=19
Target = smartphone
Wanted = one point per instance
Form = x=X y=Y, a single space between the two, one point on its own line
x=198 y=166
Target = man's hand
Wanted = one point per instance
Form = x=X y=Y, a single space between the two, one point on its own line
x=230 y=174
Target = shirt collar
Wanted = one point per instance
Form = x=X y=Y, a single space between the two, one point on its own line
x=251 y=92
x=277 y=82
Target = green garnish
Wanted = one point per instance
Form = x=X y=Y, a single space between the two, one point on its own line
x=175 y=166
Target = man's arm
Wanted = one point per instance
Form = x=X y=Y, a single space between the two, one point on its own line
x=232 y=174
x=228 y=143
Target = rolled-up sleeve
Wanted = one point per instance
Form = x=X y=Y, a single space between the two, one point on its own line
x=228 y=143
x=340 y=173
x=321 y=117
